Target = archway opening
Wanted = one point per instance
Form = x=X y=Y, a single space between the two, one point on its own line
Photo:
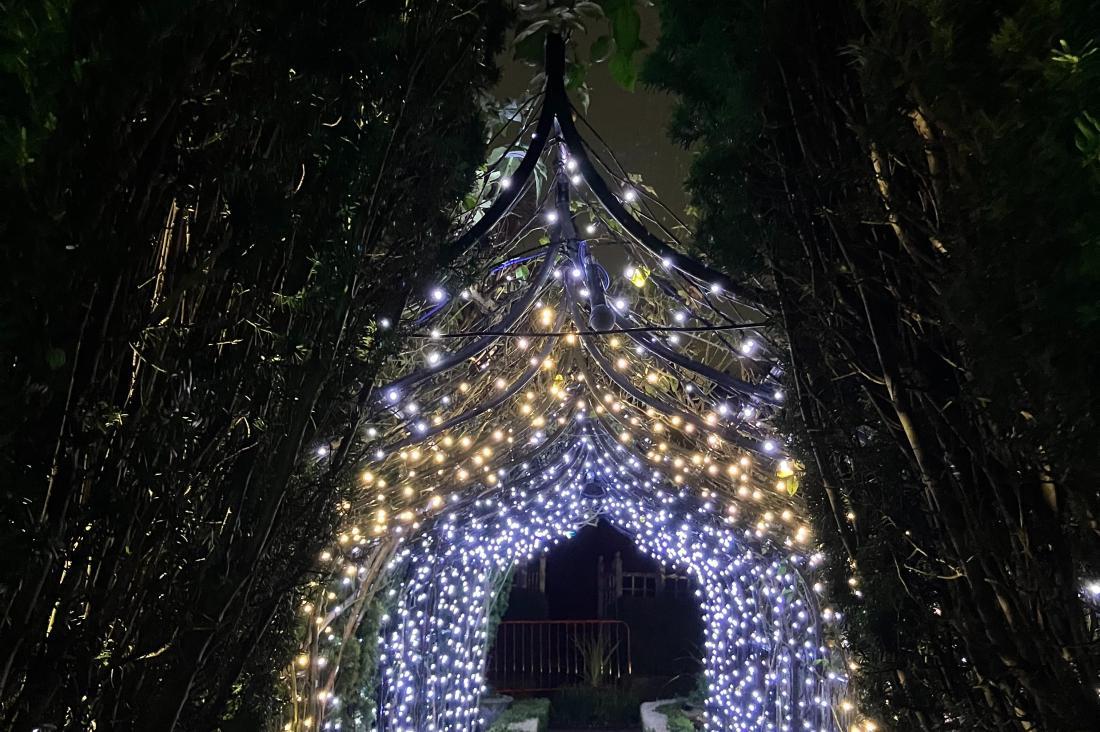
x=597 y=627
x=766 y=663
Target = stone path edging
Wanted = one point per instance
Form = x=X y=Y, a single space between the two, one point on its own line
x=652 y=720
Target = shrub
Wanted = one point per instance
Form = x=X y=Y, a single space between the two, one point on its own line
x=587 y=706
x=677 y=720
x=521 y=711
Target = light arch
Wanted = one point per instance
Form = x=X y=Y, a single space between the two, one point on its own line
x=767 y=663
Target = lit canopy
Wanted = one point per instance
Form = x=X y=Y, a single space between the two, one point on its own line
x=573 y=364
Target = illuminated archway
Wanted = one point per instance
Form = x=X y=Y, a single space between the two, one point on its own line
x=542 y=388
x=766 y=663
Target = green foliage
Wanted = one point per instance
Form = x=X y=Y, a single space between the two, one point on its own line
x=618 y=46
x=357 y=679
x=589 y=706
x=677 y=720
x=626 y=27
x=709 y=55
x=522 y=710
x=34 y=71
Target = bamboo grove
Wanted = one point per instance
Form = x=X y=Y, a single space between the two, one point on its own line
x=206 y=206
x=920 y=181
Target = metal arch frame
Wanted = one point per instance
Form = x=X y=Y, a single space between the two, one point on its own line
x=557 y=111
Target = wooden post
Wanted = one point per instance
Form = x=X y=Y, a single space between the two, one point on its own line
x=618 y=569
x=601 y=588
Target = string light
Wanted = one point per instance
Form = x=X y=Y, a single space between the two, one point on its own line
x=469 y=479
